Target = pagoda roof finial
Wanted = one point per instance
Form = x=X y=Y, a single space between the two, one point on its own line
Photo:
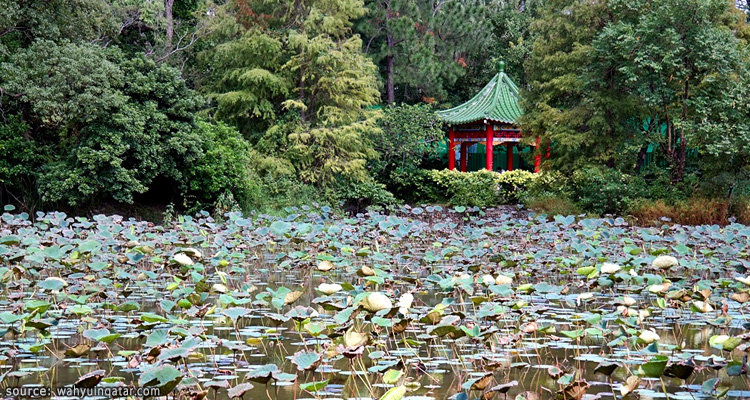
x=501 y=66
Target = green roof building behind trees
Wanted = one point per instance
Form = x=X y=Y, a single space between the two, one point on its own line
x=497 y=101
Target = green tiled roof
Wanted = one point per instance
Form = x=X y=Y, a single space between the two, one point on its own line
x=497 y=101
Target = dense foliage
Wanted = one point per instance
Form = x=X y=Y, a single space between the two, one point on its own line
x=256 y=104
x=629 y=76
x=482 y=188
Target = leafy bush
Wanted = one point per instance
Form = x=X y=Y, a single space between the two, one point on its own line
x=225 y=169
x=408 y=135
x=482 y=188
x=604 y=191
x=656 y=184
x=513 y=183
x=609 y=191
x=357 y=196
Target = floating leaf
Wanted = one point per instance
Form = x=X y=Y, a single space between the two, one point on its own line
x=101 y=335
x=305 y=360
x=239 y=390
x=396 y=393
x=164 y=377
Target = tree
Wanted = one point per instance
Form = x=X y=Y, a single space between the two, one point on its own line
x=508 y=39
x=512 y=39
x=557 y=104
x=421 y=45
x=336 y=84
x=249 y=82
x=309 y=82
x=106 y=136
x=408 y=135
x=680 y=62
x=81 y=132
x=22 y=22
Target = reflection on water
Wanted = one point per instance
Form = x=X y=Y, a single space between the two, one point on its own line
x=439 y=366
x=552 y=327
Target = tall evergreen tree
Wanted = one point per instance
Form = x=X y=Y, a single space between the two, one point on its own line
x=421 y=45
x=293 y=76
x=557 y=105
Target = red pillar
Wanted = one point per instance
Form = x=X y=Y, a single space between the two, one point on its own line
x=490 y=137
x=509 y=151
x=464 y=155
x=451 y=150
x=538 y=156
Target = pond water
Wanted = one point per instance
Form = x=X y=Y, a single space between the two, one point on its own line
x=425 y=303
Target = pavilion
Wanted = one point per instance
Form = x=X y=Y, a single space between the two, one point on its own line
x=489 y=117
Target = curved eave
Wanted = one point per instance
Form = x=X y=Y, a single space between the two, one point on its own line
x=483 y=119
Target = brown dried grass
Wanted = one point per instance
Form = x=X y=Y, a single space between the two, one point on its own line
x=693 y=211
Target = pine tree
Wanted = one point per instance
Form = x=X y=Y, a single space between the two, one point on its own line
x=336 y=83
x=422 y=45
x=250 y=83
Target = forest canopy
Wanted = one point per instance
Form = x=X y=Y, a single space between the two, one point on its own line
x=258 y=104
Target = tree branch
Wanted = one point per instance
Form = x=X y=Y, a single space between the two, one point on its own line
x=369 y=42
x=14 y=95
x=194 y=37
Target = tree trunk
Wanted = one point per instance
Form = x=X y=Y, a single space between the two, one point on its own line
x=641 y=158
x=170 y=21
x=390 y=90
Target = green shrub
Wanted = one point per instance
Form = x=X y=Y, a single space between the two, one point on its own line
x=605 y=191
x=224 y=170
x=409 y=136
x=357 y=196
x=512 y=184
x=424 y=189
x=482 y=188
x=656 y=184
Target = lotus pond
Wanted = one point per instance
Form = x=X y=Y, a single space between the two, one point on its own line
x=426 y=303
